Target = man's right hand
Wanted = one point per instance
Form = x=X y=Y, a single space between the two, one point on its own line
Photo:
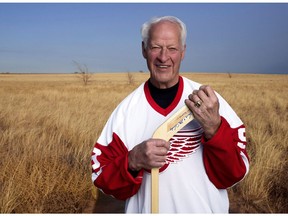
x=148 y=154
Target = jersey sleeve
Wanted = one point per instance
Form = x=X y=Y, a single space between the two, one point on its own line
x=120 y=134
x=110 y=170
x=225 y=157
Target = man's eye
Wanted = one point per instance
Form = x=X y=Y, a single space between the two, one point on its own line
x=173 y=49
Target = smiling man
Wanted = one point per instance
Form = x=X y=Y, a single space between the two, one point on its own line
x=164 y=51
x=198 y=164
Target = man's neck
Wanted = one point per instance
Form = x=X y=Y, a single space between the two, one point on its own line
x=163 y=97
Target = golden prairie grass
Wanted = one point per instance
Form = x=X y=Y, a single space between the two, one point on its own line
x=49 y=123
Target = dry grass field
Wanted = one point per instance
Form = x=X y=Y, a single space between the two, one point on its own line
x=49 y=123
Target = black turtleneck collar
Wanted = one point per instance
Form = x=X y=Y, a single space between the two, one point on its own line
x=163 y=97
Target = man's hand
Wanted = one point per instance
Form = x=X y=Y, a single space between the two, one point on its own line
x=148 y=154
x=205 y=106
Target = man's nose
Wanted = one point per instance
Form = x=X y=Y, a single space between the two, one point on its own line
x=163 y=55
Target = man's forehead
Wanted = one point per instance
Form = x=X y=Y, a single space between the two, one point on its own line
x=170 y=34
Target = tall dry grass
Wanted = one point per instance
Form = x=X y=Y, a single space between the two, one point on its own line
x=49 y=123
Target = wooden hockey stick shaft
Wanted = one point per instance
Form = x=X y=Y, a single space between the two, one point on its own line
x=166 y=131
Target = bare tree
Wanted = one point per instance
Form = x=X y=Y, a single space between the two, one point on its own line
x=83 y=72
x=131 y=80
x=229 y=74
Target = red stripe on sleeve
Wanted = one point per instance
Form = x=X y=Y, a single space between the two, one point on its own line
x=113 y=177
x=222 y=156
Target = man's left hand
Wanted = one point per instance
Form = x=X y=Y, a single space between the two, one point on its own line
x=205 y=106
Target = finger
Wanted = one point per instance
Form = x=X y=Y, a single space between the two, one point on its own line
x=192 y=104
x=160 y=142
x=203 y=96
x=157 y=160
x=207 y=90
x=212 y=99
x=189 y=103
x=197 y=99
x=195 y=92
x=199 y=95
x=194 y=97
x=158 y=164
x=161 y=151
x=191 y=96
x=161 y=160
x=207 y=95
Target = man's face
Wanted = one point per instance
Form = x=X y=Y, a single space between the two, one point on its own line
x=164 y=53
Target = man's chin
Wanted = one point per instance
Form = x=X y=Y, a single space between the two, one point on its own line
x=165 y=78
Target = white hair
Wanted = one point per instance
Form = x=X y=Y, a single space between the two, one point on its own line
x=147 y=26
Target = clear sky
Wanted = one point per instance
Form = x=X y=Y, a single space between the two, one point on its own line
x=222 y=37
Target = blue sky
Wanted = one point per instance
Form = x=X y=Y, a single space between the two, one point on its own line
x=222 y=37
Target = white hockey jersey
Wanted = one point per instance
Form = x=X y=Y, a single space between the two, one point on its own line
x=197 y=172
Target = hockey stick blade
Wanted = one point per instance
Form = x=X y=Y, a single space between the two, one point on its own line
x=166 y=131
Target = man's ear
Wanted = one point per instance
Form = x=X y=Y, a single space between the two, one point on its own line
x=144 y=51
x=183 y=52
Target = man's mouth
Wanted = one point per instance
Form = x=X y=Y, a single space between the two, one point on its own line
x=162 y=66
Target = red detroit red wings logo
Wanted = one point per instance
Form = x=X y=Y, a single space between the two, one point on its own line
x=183 y=144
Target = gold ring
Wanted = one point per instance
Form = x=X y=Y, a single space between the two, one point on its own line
x=198 y=103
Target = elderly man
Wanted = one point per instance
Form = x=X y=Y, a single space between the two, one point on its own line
x=198 y=164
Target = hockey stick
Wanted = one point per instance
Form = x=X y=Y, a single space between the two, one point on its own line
x=166 y=131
